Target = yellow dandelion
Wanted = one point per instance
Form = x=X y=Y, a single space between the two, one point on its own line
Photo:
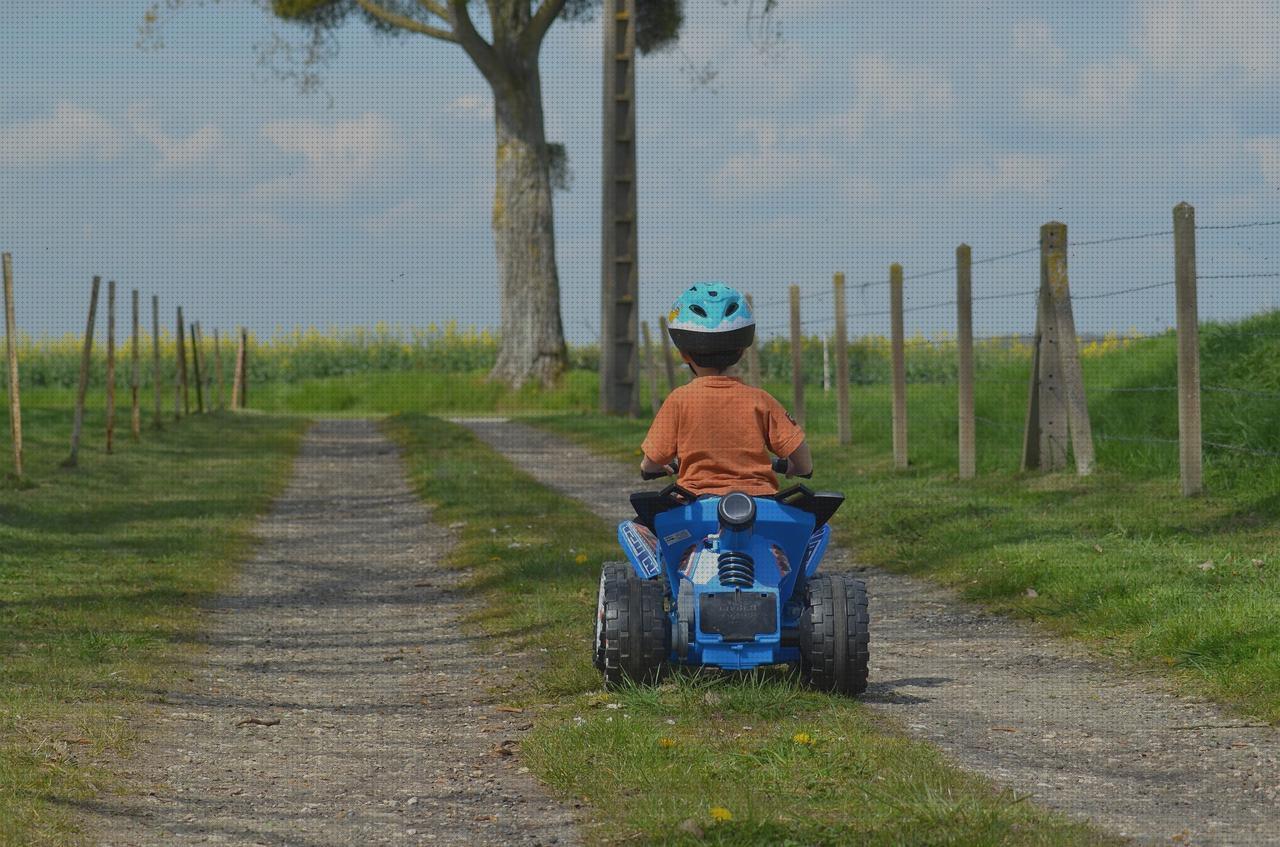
x=720 y=814
x=581 y=558
x=666 y=742
x=803 y=738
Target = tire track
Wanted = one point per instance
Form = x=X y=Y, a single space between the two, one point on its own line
x=338 y=701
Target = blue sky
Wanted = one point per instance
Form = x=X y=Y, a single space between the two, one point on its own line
x=857 y=140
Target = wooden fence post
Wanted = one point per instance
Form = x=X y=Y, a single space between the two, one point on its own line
x=217 y=370
x=898 y=347
x=195 y=364
x=964 y=351
x=155 y=360
x=77 y=422
x=244 y=377
x=11 y=351
x=237 y=378
x=843 y=424
x=666 y=354
x=1184 y=269
x=753 y=352
x=826 y=365
x=111 y=365
x=651 y=367
x=135 y=374
x=181 y=386
x=797 y=358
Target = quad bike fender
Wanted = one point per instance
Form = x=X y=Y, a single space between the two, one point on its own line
x=814 y=549
x=641 y=547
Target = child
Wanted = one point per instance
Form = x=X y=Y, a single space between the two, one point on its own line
x=721 y=430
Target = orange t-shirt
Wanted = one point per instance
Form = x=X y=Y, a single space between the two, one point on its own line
x=723 y=431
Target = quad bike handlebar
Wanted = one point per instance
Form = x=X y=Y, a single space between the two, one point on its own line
x=780 y=467
x=674 y=466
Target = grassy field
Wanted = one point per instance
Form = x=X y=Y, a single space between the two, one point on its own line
x=1190 y=587
x=703 y=759
x=102 y=571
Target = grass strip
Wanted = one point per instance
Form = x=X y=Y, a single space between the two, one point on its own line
x=102 y=573
x=704 y=758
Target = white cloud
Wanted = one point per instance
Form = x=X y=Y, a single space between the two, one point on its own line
x=1268 y=152
x=788 y=154
x=340 y=157
x=1022 y=173
x=898 y=88
x=1103 y=92
x=71 y=133
x=476 y=105
x=1032 y=41
x=1197 y=40
x=198 y=147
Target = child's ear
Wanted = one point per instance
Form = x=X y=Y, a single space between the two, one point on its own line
x=685 y=357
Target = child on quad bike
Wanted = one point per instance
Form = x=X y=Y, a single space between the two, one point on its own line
x=721 y=430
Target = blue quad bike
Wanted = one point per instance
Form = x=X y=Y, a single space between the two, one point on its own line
x=730 y=582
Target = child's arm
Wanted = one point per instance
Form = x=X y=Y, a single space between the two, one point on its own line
x=800 y=462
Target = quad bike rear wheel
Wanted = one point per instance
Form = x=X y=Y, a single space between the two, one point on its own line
x=633 y=633
x=835 y=634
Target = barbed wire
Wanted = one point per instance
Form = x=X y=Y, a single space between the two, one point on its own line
x=1259 y=275
x=1250 y=451
x=1245 y=392
x=1137 y=439
x=1248 y=225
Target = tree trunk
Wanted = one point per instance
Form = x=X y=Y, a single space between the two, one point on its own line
x=532 y=346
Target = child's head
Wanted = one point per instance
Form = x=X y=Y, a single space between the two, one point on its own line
x=711 y=324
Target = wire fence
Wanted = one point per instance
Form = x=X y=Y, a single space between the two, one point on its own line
x=1126 y=398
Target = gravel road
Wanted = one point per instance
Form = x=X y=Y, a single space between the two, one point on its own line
x=1034 y=713
x=337 y=702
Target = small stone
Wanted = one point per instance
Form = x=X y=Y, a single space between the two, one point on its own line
x=1031 y=592
x=1207 y=566
x=690 y=827
x=412 y=801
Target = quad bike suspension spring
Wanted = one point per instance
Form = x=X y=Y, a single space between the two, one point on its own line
x=737 y=569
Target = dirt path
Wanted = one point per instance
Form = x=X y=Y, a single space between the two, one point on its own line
x=341 y=637
x=1032 y=712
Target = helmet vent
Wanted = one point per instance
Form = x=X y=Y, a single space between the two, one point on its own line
x=698 y=310
x=732 y=307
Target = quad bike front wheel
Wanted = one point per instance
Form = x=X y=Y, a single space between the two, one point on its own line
x=633 y=633
x=835 y=634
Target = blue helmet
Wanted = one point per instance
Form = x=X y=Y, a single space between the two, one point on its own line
x=711 y=317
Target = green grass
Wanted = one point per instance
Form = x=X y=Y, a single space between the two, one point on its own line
x=1190 y=587
x=789 y=766
x=420 y=391
x=102 y=571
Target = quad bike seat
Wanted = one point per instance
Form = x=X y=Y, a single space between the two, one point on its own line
x=821 y=504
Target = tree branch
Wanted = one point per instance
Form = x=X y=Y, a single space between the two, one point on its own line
x=536 y=29
x=405 y=22
x=436 y=9
x=480 y=51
